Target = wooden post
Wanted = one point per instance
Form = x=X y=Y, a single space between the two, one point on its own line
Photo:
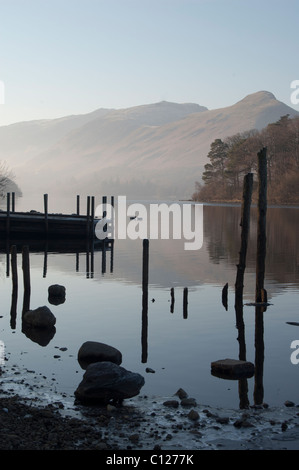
x=12 y=202
x=144 y=332
x=185 y=303
x=14 y=266
x=260 y=292
x=104 y=202
x=172 y=300
x=46 y=213
x=224 y=296
x=104 y=257
x=26 y=278
x=92 y=214
x=45 y=260
x=87 y=215
x=14 y=271
x=78 y=204
x=245 y=224
x=261 y=227
x=8 y=214
x=239 y=284
x=87 y=258
x=111 y=255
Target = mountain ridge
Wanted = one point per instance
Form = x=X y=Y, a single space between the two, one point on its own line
x=159 y=149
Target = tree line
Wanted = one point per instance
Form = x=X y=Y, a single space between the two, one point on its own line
x=231 y=158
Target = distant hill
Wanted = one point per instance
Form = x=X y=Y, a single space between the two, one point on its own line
x=149 y=151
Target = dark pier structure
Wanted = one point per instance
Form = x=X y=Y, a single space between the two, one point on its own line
x=35 y=224
x=54 y=233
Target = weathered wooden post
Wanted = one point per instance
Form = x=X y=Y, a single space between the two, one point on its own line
x=12 y=202
x=26 y=278
x=92 y=207
x=261 y=226
x=104 y=202
x=14 y=271
x=87 y=216
x=46 y=213
x=245 y=224
x=185 y=303
x=172 y=300
x=45 y=268
x=104 y=257
x=7 y=214
x=144 y=333
x=224 y=296
x=260 y=293
x=111 y=255
x=92 y=215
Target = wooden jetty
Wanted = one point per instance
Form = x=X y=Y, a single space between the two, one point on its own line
x=48 y=225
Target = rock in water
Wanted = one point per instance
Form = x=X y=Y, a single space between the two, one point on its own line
x=55 y=290
x=104 y=382
x=56 y=294
x=93 y=351
x=232 y=369
x=41 y=317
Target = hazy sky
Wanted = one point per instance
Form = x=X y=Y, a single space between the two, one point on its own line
x=61 y=57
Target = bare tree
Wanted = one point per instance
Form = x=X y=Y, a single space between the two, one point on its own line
x=6 y=177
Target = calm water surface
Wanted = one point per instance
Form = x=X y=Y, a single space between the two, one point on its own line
x=104 y=303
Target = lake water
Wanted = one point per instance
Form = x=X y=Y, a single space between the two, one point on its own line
x=104 y=303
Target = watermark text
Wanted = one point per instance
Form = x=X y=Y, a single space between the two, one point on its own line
x=295 y=354
x=177 y=221
x=295 y=93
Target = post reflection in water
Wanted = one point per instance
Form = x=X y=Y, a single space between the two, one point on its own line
x=23 y=247
x=144 y=326
x=204 y=329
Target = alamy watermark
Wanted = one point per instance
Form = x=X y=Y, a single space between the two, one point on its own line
x=295 y=354
x=2 y=92
x=2 y=353
x=295 y=93
x=178 y=221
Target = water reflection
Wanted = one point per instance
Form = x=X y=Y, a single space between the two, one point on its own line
x=181 y=274
x=12 y=248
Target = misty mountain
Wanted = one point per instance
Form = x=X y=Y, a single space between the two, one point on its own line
x=149 y=151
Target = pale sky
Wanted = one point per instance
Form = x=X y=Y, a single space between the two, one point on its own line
x=62 y=57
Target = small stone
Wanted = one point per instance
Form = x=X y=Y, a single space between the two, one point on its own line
x=188 y=402
x=289 y=403
x=222 y=420
x=101 y=446
x=284 y=426
x=181 y=393
x=111 y=407
x=171 y=403
x=193 y=415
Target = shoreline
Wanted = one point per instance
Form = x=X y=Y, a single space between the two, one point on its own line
x=42 y=422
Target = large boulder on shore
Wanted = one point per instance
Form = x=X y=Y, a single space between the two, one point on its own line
x=94 y=351
x=41 y=317
x=105 y=382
